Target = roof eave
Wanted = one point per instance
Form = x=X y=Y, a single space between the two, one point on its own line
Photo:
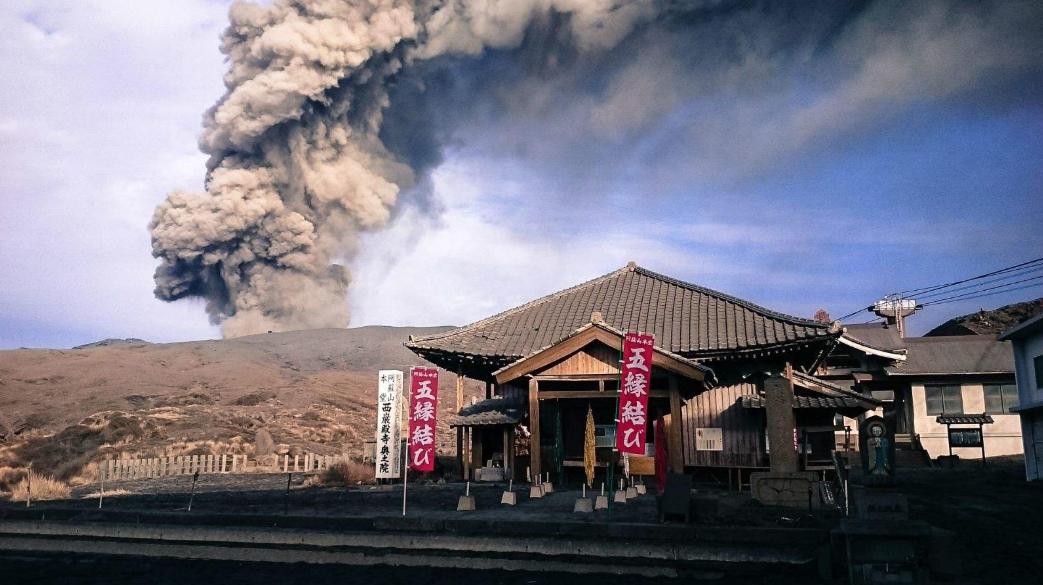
x=870 y=350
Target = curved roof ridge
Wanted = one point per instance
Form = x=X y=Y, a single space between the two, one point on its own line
x=732 y=299
x=528 y=305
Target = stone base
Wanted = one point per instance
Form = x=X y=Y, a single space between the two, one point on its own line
x=548 y=487
x=535 y=492
x=620 y=497
x=641 y=488
x=466 y=504
x=601 y=503
x=583 y=506
x=509 y=498
x=784 y=489
x=631 y=492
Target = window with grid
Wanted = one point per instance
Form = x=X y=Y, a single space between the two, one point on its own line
x=999 y=398
x=944 y=399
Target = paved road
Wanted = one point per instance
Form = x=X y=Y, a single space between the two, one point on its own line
x=43 y=569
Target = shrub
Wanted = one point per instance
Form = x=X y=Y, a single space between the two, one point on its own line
x=43 y=488
x=348 y=473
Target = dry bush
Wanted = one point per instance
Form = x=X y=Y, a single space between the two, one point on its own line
x=43 y=488
x=10 y=476
x=348 y=473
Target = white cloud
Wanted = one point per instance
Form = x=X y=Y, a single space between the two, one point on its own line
x=102 y=104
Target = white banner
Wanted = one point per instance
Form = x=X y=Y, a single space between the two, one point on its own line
x=388 y=449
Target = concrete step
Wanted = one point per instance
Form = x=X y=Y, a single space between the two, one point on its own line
x=594 y=552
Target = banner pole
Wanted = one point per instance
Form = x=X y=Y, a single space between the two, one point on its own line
x=405 y=464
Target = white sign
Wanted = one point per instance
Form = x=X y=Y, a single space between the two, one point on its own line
x=387 y=452
x=709 y=439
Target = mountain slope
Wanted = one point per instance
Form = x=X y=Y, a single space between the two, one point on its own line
x=310 y=390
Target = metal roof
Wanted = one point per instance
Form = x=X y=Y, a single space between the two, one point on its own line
x=959 y=354
x=687 y=319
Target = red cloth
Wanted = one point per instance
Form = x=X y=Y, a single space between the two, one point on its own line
x=660 y=455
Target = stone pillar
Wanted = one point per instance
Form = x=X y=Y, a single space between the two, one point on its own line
x=778 y=407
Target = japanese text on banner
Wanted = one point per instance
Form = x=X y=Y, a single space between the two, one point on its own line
x=423 y=412
x=635 y=383
x=386 y=452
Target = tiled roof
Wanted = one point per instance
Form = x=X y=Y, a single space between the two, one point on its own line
x=832 y=389
x=829 y=402
x=964 y=419
x=492 y=411
x=960 y=354
x=686 y=319
x=876 y=335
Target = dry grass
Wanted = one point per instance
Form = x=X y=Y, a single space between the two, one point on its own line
x=43 y=488
x=347 y=473
x=94 y=495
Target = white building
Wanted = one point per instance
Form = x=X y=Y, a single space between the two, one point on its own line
x=1027 y=338
x=921 y=378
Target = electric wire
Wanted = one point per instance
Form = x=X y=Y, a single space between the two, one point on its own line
x=926 y=289
x=973 y=290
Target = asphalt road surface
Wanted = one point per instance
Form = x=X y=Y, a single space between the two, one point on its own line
x=43 y=569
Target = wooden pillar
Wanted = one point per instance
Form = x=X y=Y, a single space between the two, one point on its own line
x=460 y=450
x=673 y=441
x=534 y=426
x=504 y=452
x=477 y=451
x=468 y=432
x=488 y=390
x=459 y=390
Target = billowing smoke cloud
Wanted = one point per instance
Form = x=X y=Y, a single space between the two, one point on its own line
x=297 y=164
x=336 y=110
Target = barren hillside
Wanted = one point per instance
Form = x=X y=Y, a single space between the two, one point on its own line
x=311 y=390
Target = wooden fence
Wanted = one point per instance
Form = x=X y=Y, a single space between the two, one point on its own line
x=119 y=469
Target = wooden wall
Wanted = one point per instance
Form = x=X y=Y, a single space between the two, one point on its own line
x=596 y=358
x=742 y=429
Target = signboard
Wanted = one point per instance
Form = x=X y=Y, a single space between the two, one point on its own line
x=635 y=382
x=423 y=412
x=386 y=454
x=709 y=439
x=965 y=437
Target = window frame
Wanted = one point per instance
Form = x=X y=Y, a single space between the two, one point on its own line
x=1037 y=365
x=946 y=401
x=1008 y=397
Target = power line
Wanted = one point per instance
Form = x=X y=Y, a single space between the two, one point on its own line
x=928 y=292
x=988 y=294
x=927 y=289
x=978 y=293
x=1014 y=274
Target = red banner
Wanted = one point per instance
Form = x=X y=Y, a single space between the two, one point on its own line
x=635 y=382
x=423 y=410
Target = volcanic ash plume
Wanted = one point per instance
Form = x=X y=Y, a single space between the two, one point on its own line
x=297 y=166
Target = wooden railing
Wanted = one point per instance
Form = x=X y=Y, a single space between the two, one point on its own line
x=123 y=469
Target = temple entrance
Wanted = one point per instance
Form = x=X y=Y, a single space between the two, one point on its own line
x=582 y=371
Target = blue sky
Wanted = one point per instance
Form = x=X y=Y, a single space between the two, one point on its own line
x=821 y=183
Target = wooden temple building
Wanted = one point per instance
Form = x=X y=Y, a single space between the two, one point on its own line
x=545 y=363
